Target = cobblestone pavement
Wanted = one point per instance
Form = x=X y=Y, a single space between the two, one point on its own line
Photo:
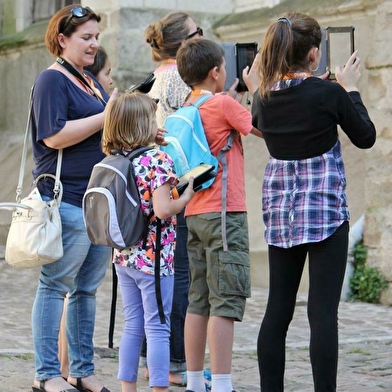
x=365 y=362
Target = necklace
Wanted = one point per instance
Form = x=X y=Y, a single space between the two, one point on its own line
x=200 y=92
x=296 y=75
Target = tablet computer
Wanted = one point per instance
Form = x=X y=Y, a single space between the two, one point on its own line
x=201 y=174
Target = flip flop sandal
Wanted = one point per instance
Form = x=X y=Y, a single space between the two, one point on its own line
x=79 y=387
x=42 y=388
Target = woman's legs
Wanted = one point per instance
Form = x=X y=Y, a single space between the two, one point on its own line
x=180 y=302
x=327 y=264
x=80 y=271
x=286 y=266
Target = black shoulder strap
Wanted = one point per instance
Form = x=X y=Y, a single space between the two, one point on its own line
x=78 y=75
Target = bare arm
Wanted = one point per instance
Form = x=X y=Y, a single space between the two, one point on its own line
x=164 y=206
x=76 y=131
x=257 y=133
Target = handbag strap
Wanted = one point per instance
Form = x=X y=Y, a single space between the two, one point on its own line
x=57 y=183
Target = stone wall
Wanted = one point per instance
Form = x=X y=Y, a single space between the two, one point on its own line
x=378 y=225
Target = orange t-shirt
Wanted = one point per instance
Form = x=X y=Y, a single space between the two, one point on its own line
x=220 y=114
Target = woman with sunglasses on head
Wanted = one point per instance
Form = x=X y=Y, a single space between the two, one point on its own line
x=68 y=114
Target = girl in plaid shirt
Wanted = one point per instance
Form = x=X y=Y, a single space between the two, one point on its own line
x=304 y=189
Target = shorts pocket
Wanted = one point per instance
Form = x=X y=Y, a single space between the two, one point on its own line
x=234 y=273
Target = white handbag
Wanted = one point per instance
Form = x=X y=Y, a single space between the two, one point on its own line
x=35 y=234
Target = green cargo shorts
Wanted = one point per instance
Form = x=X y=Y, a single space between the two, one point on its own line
x=219 y=281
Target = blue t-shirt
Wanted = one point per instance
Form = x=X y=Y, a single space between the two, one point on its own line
x=56 y=99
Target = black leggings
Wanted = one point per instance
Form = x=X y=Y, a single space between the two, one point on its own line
x=327 y=264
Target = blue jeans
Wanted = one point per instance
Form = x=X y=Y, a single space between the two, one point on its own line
x=142 y=319
x=79 y=272
x=180 y=297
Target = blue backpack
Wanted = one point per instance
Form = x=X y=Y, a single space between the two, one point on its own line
x=187 y=142
x=188 y=148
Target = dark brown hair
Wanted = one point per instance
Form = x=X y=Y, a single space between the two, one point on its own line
x=56 y=26
x=196 y=58
x=166 y=35
x=99 y=62
x=286 y=45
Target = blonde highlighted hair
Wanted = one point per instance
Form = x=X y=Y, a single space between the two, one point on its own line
x=129 y=122
x=166 y=35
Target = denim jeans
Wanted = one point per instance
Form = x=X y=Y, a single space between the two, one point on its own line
x=180 y=297
x=79 y=272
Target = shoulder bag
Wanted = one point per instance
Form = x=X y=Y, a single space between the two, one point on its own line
x=35 y=234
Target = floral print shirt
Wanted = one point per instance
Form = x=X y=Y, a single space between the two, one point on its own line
x=152 y=169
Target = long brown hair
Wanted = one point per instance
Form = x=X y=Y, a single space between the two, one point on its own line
x=129 y=122
x=286 y=45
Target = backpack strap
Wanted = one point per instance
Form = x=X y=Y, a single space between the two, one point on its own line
x=157 y=272
x=222 y=158
x=201 y=100
x=133 y=154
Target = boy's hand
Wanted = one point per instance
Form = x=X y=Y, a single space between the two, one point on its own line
x=160 y=137
x=234 y=93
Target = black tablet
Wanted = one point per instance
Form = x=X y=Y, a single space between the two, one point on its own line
x=201 y=174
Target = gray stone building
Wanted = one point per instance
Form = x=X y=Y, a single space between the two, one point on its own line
x=23 y=55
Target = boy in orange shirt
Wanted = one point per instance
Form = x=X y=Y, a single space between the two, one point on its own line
x=219 y=264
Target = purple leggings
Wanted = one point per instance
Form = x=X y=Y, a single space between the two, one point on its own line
x=142 y=319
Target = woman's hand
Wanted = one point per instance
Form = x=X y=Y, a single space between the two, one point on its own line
x=349 y=75
x=251 y=76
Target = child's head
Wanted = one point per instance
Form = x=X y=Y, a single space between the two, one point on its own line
x=196 y=58
x=287 y=47
x=101 y=69
x=129 y=122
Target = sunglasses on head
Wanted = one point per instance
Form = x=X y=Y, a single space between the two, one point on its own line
x=77 y=12
x=199 y=31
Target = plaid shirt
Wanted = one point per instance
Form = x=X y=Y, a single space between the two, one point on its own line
x=304 y=200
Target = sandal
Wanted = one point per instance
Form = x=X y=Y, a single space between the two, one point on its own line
x=41 y=388
x=79 y=387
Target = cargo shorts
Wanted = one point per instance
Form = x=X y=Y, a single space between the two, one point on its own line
x=219 y=280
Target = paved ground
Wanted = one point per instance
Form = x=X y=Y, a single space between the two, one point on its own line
x=365 y=363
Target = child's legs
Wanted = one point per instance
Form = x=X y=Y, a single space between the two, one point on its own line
x=220 y=283
x=157 y=334
x=133 y=332
x=327 y=263
x=285 y=271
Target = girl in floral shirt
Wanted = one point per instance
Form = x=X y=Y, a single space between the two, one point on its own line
x=130 y=122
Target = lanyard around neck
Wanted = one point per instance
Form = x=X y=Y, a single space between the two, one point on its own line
x=81 y=78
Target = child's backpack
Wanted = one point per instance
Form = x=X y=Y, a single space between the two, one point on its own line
x=187 y=142
x=188 y=148
x=111 y=203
